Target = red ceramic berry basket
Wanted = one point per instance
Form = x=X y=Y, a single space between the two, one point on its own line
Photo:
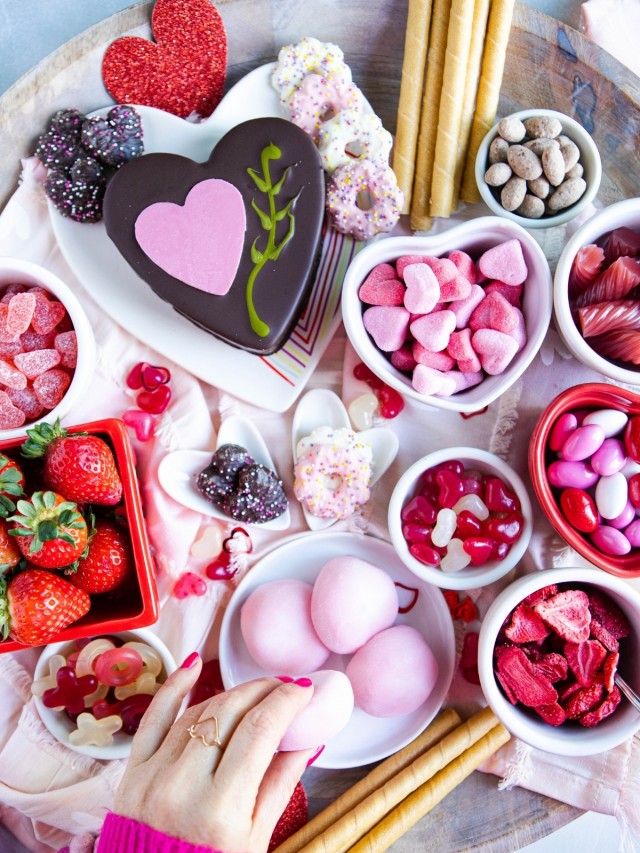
x=581 y=399
x=135 y=603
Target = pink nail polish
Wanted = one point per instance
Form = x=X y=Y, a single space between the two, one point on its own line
x=315 y=755
x=303 y=682
x=284 y=678
x=190 y=661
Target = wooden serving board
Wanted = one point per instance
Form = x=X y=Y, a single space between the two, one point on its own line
x=548 y=65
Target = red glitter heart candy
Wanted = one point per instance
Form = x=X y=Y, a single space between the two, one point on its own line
x=183 y=72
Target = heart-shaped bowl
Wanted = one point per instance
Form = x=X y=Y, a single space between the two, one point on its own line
x=473 y=237
x=623 y=214
x=579 y=399
x=60 y=725
x=570 y=737
x=15 y=271
x=410 y=484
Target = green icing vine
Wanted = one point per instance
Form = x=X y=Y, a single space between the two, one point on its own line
x=269 y=222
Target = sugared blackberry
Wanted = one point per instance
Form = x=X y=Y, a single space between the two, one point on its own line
x=115 y=138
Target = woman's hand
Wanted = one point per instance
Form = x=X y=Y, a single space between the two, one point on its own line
x=231 y=796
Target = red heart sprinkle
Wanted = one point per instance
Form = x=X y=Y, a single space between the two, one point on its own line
x=154 y=401
x=184 y=72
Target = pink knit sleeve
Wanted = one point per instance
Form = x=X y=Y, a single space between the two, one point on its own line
x=124 y=835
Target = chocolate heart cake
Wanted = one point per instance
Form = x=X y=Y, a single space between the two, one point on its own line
x=231 y=243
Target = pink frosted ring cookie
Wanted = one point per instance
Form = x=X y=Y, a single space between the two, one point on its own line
x=352 y=135
x=318 y=99
x=363 y=199
x=308 y=56
x=332 y=481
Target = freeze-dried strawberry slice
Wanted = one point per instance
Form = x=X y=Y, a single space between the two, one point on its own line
x=599 y=632
x=585 y=660
x=605 y=611
x=553 y=714
x=586 y=267
x=609 y=669
x=607 y=707
x=583 y=700
x=620 y=242
x=568 y=690
x=605 y=317
x=526 y=626
x=552 y=665
x=541 y=594
x=615 y=282
x=517 y=676
x=567 y=613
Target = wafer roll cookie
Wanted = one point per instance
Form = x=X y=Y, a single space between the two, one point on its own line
x=420 y=218
x=411 y=87
x=442 y=725
x=474 y=65
x=451 y=99
x=493 y=60
x=424 y=798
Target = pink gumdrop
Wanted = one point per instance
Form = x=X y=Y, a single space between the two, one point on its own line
x=463 y=380
x=433 y=330
x=578 y=475
x=34 y=363
x=394 y=673
x=561 y=430
x=453 y=285
x=50 y=387
x=11 y=416
x=464 y=308
x=47 y=314
x=511 y=292
x=403 y=359
x=116 y=667
x=438 y=360
x=496 y=350
x=582 y=443
x=352 y=600
x=632 y=533
x=11 y=377
x=327 y=713
x=406 y=260
x=275 y=622
x=423 y=292
x=610 y=541
x=504 y=262
x=461 y=349
x=387 y=325
x=21 y=308
x=67 y=345
x=464 y=263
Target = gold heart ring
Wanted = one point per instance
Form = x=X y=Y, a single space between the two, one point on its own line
x=193 y=732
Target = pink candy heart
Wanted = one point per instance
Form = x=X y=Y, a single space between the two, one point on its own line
x=427 y=380
x=406 y=260
x=464 y=308
x=142 y=423
x=461 y=349
x=453 y=285
x=382 y=287
x=387 y=325
x=433 y=330
x=189 y=584
x=504 y=262
x=494 y=312
x=423 y=292
x=10 y=416
x=438 y=360
x=495 y=350
x=465 y=264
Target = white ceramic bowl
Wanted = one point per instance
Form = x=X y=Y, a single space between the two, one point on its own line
x=564 y=739
x=14 y=270
x=472 y=576
x=623 y=213
x=57 y=722
x=589 y=158
x=474 y=237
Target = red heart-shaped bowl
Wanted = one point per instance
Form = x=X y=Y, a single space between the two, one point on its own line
x=589 y=396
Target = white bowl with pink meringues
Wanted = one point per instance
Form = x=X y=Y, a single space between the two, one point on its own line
x=450 y=321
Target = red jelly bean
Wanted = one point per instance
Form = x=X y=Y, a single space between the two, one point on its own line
x=579 y=508
x=419 y=509
x=467 y=525
x=471 y=485
x=497 y=496
x=414 y=533
x=450 y=485
x=632 y=438
x=425 y=554
x=499 y=550
x=505 y=528
x=429 y=476
x=390 y=402
x=155 y=401
x=479 y=548
x=633 y=485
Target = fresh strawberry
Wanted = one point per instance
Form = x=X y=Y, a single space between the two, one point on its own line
x=11 y=485
x=35 y=605
x=10 y=554
x=49 y=530
x=108 y=561
x=79 y=466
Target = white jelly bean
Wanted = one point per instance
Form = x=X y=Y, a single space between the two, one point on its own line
x=610 y=541
x=474 y=504
x=582 y=443
x=611 y=494
x=446 y=521
x=362 y=410
x=609 y=457
x=456 y=557
x=612 y=421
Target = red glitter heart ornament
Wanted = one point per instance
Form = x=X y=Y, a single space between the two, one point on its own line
x=183 y=72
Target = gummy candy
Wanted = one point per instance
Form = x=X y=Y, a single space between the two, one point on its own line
x=132 y=709
x=89 y=653
x=145 y=683
x=151 y=660
x=362 y=410
x=117 y=667
x=50 y=387
x=70 y=690
x=48 y=681
x=92 y=732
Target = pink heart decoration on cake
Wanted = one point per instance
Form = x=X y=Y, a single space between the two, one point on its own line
x=200 y=242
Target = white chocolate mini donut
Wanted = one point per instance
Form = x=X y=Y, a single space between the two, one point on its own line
x=331 y=480
x=308 y=56
x=350 y=136
x=363 y=199
x=317 y=99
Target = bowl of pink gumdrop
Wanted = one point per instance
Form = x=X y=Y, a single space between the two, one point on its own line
x=47 y=347
x=450 y=321
x=550 y=646
x=595 y=302
x=584 y=462
x=460 y=518
x=92 y=693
